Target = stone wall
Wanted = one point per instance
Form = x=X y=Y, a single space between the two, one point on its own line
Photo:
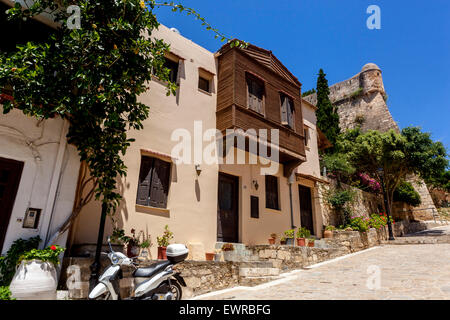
x=440 y=198
x=207 y=276
x=261 y=263
x=362 y=101
x=365 y=204
x=292 y=257
x=200 y=276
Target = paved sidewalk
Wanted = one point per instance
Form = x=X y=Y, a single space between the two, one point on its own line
x=439 y=234
x=406 y=272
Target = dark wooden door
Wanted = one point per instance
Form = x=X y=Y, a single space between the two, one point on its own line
x=306 y=214
x=227 y=209
x=10 y=173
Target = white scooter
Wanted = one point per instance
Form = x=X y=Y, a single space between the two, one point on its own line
x=156 y=282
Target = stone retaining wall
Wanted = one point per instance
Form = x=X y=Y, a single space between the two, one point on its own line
x=365 y=203
x=259 y=264
x=292 y=257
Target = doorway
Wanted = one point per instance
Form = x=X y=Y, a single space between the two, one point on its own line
x=306 y=212
x=227 y=209
x=10 y=173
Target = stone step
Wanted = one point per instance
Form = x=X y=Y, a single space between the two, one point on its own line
x=258 y=272
x=256 y=264
x=254 y=281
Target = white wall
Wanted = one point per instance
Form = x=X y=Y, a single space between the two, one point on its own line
x=41 y=186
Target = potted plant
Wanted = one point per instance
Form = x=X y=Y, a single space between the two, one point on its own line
x=283 y=241
x=145 y=245
x=163 y=242
x=328 y=233
x=311 y=242
x=36 y=274
x=289 y=234
x=302 y=234
x=272 y=238
x=134 y=245
x=217 y=254
x=227 y=249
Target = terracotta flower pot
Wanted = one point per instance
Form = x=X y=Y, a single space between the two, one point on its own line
x=271 y=241
x=162 y=253
x=282 y=242
x=328 y=234
x=133 y=250
x=310 y=243
x=301 y=242
x=210 y=256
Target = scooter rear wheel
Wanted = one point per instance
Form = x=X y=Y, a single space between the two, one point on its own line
x=176 y=290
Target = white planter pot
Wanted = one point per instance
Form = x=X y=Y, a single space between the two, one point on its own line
x=34 y=280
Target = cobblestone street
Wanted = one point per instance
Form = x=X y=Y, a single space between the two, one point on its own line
x=405 y=272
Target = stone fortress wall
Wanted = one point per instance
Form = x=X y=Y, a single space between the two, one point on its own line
x=361 y=101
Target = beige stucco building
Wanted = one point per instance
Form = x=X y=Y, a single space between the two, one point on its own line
x=190 y=210
x=202 y=201
x=192 y=202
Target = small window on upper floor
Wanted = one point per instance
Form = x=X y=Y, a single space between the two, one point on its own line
x=255 y=96
x=205 y=81
x=204 y=84
x=287 y=111
x=173 y=69
x=307 y=137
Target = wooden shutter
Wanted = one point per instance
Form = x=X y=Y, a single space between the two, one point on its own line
x=284 y=110
x=145 y=174
x=255 y=95
x=272 y=192
x=259 y=97
x=160 y=184
x=290 y=112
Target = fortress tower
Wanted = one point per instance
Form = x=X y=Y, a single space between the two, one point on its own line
x=361 y=101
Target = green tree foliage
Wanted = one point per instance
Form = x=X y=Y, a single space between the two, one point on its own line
x=429 y=156
x=412 y=152
x=9 y=262
x=405 y=192
x=92 y=77
x=337 y=164
x=307 y=93
x=5 y=294
x=327 y=117
x=441 y=181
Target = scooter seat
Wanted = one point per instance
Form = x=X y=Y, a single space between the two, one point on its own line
x=150 y=271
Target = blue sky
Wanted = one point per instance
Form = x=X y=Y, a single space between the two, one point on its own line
x=412 y=47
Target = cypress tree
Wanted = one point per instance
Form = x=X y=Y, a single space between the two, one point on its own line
x=327 y=117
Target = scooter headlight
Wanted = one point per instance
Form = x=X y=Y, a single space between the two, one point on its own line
x=115 y=259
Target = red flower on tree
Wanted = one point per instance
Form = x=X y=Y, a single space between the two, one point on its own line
x=53 y=248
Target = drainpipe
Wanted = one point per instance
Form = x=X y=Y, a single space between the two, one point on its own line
x=54 y=186
x=290 y=182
